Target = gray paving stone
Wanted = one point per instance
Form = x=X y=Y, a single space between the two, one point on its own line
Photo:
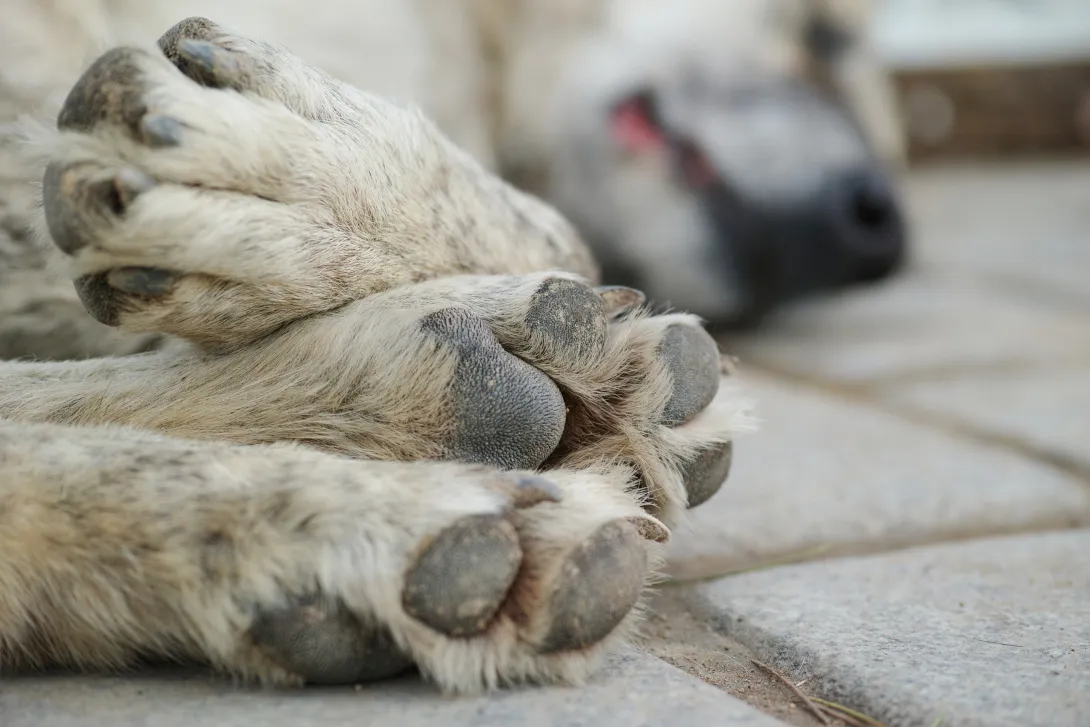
x=1020 y=223
x=992 y=633
x=636 y=691
x=920 y=323
x=825 y=473
x=1047 y=409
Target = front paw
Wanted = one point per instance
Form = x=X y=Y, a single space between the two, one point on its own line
x=650 y=392
x=195 y=211
x=225 y=187
x=476 y=577
x=646 y=392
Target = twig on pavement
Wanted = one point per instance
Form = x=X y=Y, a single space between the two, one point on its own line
x=850 y=712
x=817 y=712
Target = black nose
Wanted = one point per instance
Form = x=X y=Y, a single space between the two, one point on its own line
x=867 y=224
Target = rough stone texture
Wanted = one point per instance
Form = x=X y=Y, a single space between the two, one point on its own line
x=921 y=323
x=825 y=473
x=1047 y=409
x=993 y=632
x=635 y=691
x=1022 y=225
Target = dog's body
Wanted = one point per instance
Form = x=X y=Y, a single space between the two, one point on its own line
x=552 y=96
x=341 y=276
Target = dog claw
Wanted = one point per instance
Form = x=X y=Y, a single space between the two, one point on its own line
x=619 y=299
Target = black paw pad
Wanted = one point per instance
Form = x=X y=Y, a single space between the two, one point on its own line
x=569 y=317
x=325 y=643
x=503 y=412
x=99 y=299
x=705 y=474
x=462 y=577
x=692 y=357
x=598 y=584
x=77 y=196
x=110 y=91
x=194 y=28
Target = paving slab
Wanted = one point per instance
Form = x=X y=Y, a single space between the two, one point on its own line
x=920 y=323
x=825 y=475
x=635 y=690
x=1017 y=223
x=1046 y=409
x=993 y=632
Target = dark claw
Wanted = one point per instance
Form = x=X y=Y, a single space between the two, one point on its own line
x=207 y=64
x=142 y=281
x=619 y=299
x=531 y=490
x=461 y=579
x=161 y=131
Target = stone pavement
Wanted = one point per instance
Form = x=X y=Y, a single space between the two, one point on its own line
x=635 y=690
x=925 y=451
x=924 y=466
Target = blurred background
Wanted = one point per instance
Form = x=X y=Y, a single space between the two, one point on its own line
x=989 y=78
x=952 y=400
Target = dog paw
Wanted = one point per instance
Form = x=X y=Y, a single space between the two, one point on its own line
x=224 y=187
x=647 y=392
x=477 y=579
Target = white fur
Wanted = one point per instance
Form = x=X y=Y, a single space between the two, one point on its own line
x=163 y=502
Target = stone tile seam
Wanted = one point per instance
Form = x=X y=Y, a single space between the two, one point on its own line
x=1044 y=527
x=857 y=394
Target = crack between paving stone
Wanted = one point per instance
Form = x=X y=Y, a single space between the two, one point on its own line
x=695 y=607
x=950 y=372
x=830 y=552
x=861 y=394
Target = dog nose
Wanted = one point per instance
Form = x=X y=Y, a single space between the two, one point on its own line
x=867 y=224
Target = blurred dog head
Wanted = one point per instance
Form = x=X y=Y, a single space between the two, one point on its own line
x=729 y=156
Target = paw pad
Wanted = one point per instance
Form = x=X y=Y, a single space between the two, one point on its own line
x=705 y=474
x=504 y=412
x=599 y=583
x=692 y=358
x=111 y=90
x=325 y=643
x=568 y=316
x=462 y=577
x=76 y=197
